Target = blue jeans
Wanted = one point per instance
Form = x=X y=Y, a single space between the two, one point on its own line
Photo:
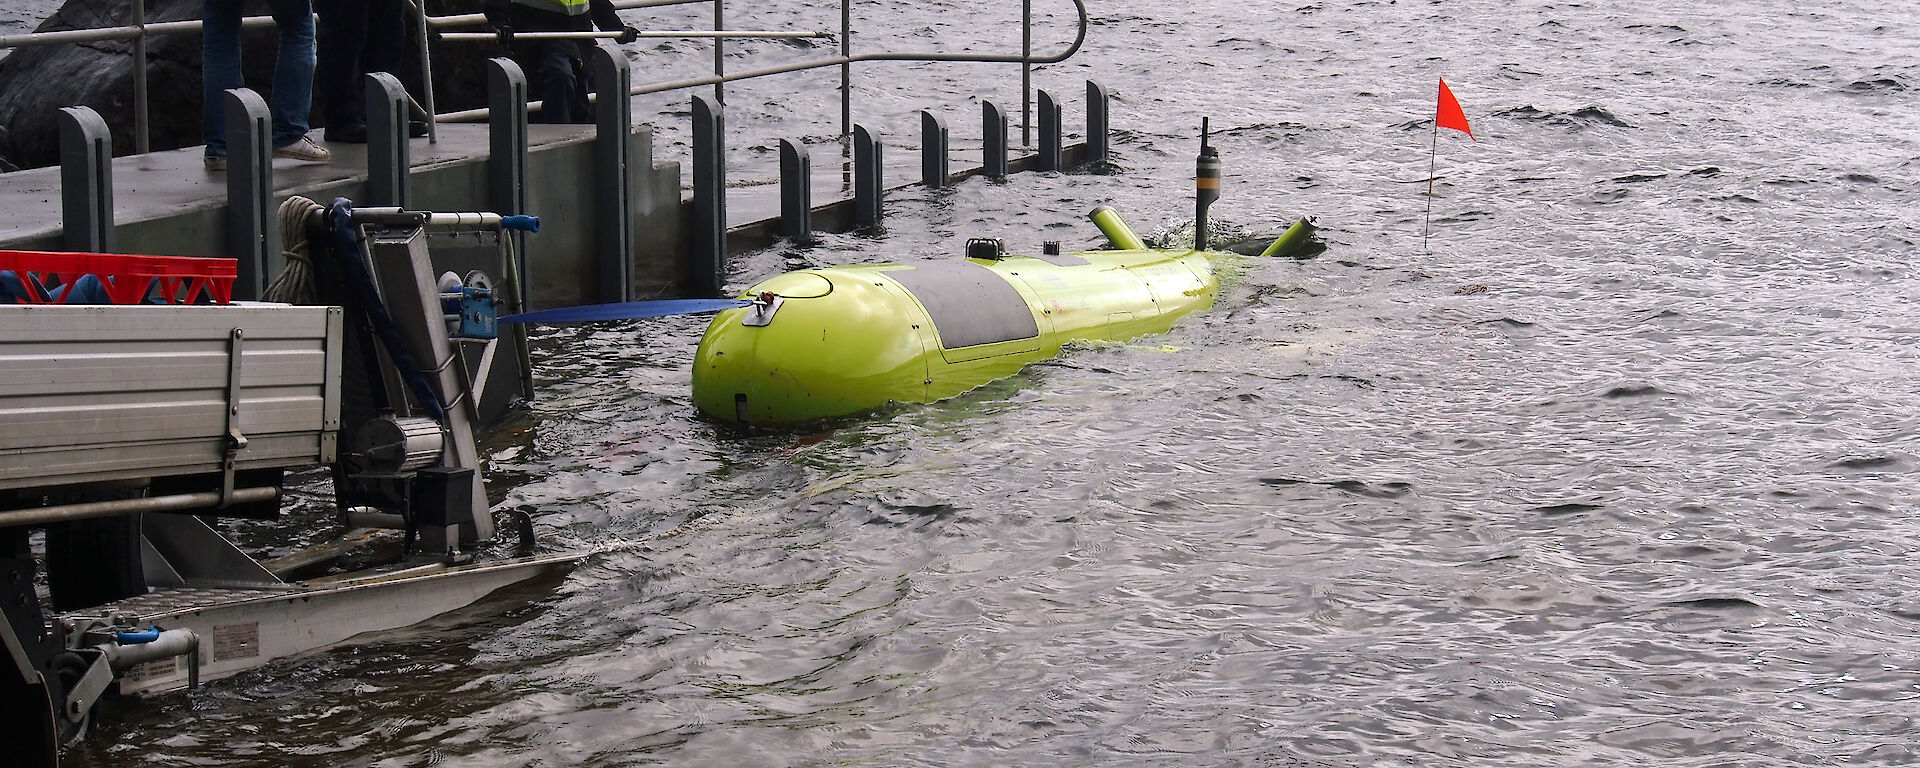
x=220 y=70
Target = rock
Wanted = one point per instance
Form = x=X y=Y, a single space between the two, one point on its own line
x=36 y=82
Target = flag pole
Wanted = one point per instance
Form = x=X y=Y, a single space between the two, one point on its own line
x=1433 y=163
x=1446 y=109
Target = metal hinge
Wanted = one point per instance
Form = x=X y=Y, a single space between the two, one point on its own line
x=236 y=441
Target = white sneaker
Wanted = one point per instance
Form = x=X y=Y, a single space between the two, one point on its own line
x=304 y=149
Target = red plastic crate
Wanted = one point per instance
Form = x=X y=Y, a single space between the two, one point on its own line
x=128 y=279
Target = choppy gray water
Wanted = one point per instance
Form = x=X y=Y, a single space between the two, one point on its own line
x=1620 y=472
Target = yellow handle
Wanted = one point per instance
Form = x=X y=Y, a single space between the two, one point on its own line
x=1116 y=229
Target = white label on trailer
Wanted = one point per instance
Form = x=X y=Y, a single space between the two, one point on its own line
x=236 y=641
x=151 y=670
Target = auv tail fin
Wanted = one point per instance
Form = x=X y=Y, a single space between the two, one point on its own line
x=1297 y=241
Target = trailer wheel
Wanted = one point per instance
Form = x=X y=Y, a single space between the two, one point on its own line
x=90 y=562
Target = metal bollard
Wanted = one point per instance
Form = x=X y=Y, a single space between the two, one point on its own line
x=507 y=153
x=933 y=150
x=250 y=213
x=1099 y=151
x=613 y=209
x=867 y=187
x=709 y=236
x=1049 y=132
x=387 y=157
x=993 y=140
x=86 y=181
x=796 y=191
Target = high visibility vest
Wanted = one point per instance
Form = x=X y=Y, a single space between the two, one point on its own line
x=568 y=7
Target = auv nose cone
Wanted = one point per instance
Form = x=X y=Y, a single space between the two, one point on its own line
x=835 y=345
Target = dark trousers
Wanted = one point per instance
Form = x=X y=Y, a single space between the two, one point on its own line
x=355 y=37
x=556 y=75
x=555 y=69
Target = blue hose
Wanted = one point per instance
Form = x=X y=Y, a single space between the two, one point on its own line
x=136 y=638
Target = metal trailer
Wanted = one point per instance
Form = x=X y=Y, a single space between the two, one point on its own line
x=125 y=428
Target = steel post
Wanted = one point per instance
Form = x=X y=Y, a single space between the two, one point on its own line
x=250 y=214
x=796 y=191
x=1049 y=132
x=387 y=157
x=846 y=73
x=1099 y=148
x=421 y=40
x=507 y=154
x=933 y=150
x=612 y=197
x=867 y=189
x=1026 y=73
x=140 y=118
x=993 y=140
x=709 y=237
x=86 y=181
x=719 y=53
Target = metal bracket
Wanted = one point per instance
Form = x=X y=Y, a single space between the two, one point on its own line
x=87 y=691
x=472 y=379
x=236 y=442
x=760 y=313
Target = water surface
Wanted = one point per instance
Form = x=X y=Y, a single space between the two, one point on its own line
x=1613 y=465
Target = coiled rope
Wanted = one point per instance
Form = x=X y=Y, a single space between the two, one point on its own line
x=295 y=285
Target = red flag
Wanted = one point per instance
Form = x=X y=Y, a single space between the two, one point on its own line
x=1448 y=114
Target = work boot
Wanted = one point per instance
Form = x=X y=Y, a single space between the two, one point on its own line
x=304 y=149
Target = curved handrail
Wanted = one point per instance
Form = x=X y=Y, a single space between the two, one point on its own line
x=139 y=31
x=1079 y=39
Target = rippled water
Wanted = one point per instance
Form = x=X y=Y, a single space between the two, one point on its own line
x=1617 y=468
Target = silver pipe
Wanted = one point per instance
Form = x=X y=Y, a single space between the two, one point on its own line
x=31 y=39
x=67 y=36
x=117 y=507
x=473 y=220
x=468 y=19
x=193 y=25
x=481 y=37
x=727 y=33
x=173 y=642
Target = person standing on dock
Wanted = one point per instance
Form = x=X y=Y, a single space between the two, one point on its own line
x=358 y=37
x=292 y=78
x=556 y=69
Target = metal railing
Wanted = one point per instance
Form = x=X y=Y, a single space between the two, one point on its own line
x=137 y=30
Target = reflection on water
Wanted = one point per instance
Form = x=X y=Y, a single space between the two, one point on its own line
x=1618 y=468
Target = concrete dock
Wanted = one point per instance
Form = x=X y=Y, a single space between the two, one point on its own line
x=168 y=203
